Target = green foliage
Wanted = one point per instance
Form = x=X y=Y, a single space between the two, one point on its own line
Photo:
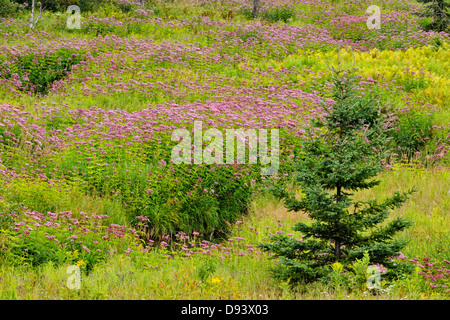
x=436 y=42
x=7 y=8
x=10 y=141
x=36 y=73
x=10 y=137
x=246 y=13
x=344 y=153
x=411 y=83
x=126 y=28
x=272 y=14
x=439 y=12
x=201 y=198
x=338 y=277
x=35 y=195
x=34 y=238
x=85 y=5
x=278 y=14
x=353 y=278
x=359 y=268
x=413 y=130
x=358 y=276
x=111 y=10
x=206 y=270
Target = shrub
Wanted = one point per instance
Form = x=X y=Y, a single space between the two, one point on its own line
x=7 y=8
x=270 y=13
x=62 y=5
x=35 y=73
x=182 y=197
x=278 y=14
x=65 y=237
x=412 y=132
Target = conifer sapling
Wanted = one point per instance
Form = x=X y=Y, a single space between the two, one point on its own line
x=343 y=153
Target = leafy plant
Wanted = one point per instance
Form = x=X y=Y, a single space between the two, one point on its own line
x=7 y=8
x=278 y=14
x=175 y=197
x=63 y=237
x=410 y=83
x=36 y=73
x=206 y=270
x=413 y=130
x=338 y=278
x=85 y=5
x=359 y=268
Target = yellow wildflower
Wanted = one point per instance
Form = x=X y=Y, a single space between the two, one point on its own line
x=81 y=263
x=215 y=280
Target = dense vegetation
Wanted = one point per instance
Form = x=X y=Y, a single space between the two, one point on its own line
x=343 y=153
x=86 y=170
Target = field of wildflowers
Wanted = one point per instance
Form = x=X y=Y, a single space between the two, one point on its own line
x=86 y=118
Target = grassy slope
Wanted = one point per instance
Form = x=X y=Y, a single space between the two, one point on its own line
x=241 y=277
x=248 y=277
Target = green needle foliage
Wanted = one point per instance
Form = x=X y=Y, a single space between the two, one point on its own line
x=439 y=11
x=343 y=153
x=7 y=8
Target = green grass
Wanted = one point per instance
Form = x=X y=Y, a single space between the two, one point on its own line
x=131 y=277
x=154 y=275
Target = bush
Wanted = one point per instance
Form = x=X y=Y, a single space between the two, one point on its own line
x=80 y=238
x=187 y=198
x=278 y=14
x=413 y=130
x=61 y=5
x=439 y=12
x=36 y=73
x=270 y=14
x=7 y=8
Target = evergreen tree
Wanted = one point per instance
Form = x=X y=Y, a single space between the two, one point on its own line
x=343 y=153
x=439 y=11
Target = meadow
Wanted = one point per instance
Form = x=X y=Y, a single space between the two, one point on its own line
x=86 y=118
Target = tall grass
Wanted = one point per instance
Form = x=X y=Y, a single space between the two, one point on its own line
x=155 y=276
x=239 y=273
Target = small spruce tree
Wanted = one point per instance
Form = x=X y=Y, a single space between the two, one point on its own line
x=439 y=11
x=344 y=152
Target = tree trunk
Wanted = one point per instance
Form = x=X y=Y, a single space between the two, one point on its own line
x=32 y=14
x=337 y=243
x=34 y=22
x=255 y=8
x=337 y=249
